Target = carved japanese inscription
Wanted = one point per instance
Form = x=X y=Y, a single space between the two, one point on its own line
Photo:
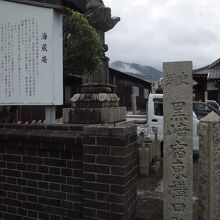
x=178 y=141
x=31 y=70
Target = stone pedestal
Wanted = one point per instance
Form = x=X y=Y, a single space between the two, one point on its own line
x=209 y=168
x=94 y=115
x=95 y=105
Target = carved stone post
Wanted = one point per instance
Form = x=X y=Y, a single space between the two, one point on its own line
x=178 y=141
x=209 y=168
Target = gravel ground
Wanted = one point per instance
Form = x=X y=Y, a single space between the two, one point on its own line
x=150 y=195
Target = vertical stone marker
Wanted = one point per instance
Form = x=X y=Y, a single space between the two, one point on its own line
x=209 y=167
x=178 y=141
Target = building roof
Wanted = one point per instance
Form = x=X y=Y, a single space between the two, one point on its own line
x=211 y=71
x=46 y=4
x=132 y=78
x=79 y=5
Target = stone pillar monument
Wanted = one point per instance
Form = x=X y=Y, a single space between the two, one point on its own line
x=178 y=141
x=209 y=168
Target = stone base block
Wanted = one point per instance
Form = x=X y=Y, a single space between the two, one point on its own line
x=152 y=154
x=144 y=171
x=144 y=163
x=155 y=167
x=94 y=115
x=157 y=144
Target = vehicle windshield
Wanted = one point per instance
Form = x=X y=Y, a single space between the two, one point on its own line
x=158 y=106
x=213 y=104
x=200 y=109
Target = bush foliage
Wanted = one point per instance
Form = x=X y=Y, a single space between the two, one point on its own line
x=82 y=45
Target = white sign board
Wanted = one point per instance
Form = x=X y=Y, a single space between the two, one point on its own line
x=31 y=63
x=135 y=91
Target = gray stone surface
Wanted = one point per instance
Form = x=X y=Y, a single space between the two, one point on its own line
x=99 y=16
x=93 y=107
x=209 y=168
x=94 y=100
x=144 y=161
x=116 y=129
x=94 y=115
x=134 y=104
x=151 y=152
x=177 y=170
x=156 y=144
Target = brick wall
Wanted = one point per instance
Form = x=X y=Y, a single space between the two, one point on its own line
x=67 y=172
x=110 y=172
x=41 y=172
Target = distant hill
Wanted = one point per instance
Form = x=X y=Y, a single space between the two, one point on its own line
x=148 y=73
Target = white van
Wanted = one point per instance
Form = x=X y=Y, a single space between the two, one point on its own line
x=155 y=121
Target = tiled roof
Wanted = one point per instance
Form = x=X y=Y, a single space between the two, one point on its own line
x=212 y=71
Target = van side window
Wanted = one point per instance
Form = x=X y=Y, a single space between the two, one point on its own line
x=158 y=106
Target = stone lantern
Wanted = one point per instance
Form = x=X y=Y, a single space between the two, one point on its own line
x=96 y=103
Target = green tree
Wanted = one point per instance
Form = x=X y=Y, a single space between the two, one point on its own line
x=82 y=45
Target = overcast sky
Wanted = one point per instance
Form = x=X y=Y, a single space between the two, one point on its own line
x=153 y=31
